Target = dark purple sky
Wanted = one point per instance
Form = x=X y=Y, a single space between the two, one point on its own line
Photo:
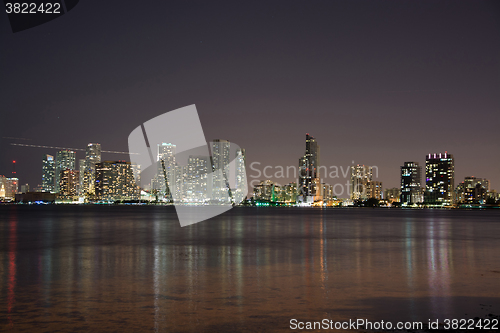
x=376 y=82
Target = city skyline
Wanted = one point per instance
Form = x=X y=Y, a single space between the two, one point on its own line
x=437 y=188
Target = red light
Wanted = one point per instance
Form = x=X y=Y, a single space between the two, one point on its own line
x=13 y=161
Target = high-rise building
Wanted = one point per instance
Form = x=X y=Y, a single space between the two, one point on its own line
x=11 y=188
x=309 y=182
x=220 y=167
x=473 y=190
x=3 y=187
x=65 y=159
x=48 y=173
x=439 y=179
x=264 y=191
x=81 y=169
x=411 y=193
x=198 y=183
x=69 y=184
x=115 y=181
x=361 y=176
x=241 y=181
x=374 y=190
x=92 y=157
x=166 y=165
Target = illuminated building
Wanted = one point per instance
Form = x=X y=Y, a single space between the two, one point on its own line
x=69 y=184
x=3 y=187
x=411 y=193
x=165 y=166
x=439 y=179
x=241 y=181
x=473 y=190
x=92 y=157
x=48 y=174
x=198 y=183
x=220 y=167
x=65 y=159
x=11 y=188
x=309 y=182
x=115 y=181
x=361 y=176
x=374 y=190
x=264 y=191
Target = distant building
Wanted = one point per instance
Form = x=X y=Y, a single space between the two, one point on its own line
x=48 y=174
x=439 y=179
x=11 y=188
x=309 y=182
x=290 y=192
x=473 y=190
x=264 y=191
x=241 y=188
x=69 y=184
x=361 y=176
x=374 y=190
x=92 y=157
x=326 y=192
x=411 y=193
x=3 y=187
x=198 y=184
x=220 y=166
x=65 y=159
x=115 y=181
x=392 y=194
x=25 y=188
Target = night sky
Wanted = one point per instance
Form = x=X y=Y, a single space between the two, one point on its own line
x=376 y=82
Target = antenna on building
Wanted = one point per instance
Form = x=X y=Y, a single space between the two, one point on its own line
x=14 y=169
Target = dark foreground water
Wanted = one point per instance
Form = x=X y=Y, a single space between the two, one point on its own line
x=133 y=268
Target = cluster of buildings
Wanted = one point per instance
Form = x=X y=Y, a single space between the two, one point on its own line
x=438 y=189
x=221 y=179
x=216 y=179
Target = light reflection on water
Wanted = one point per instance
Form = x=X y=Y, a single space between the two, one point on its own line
x=134 y=268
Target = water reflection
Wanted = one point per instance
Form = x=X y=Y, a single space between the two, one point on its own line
x=108 y=268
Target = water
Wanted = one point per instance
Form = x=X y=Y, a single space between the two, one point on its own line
x=133 y=268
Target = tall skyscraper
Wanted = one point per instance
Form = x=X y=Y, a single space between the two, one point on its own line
x=220 y=167
x=241 y=181
x=92 y=157
x=115 y=181
x=411 y=193
x=165 y=166
x=361 y=176
x=69 y=184
x=65 y=159
x=198 y=183
x=48 y=174
x=81 y=169
x=309 y=182
x=439 y=179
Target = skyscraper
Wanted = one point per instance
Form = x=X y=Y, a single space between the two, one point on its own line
x=65 y=159
x=48 y=173
x=198 y=183
x=69 y=184
x=411 y=193
x=361 y=176
x=92 y=157
x=220 y=167
x=115 y=181
x=309 y=181
x=439 y=179
x=166 y=166
x=241 y=181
